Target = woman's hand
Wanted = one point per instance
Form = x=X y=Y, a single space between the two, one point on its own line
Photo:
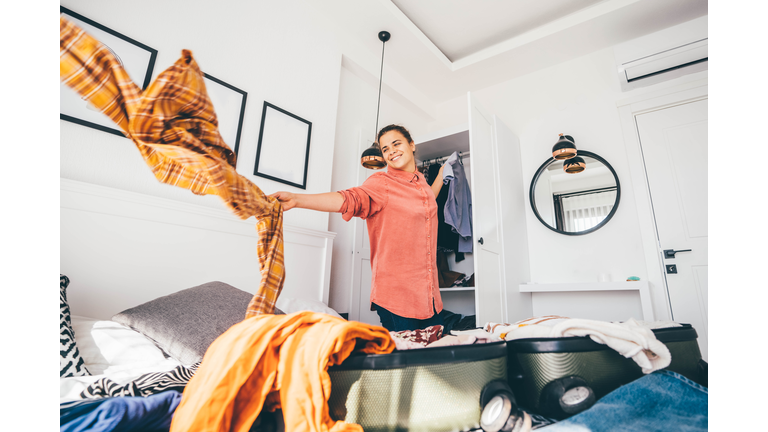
x=287 y=199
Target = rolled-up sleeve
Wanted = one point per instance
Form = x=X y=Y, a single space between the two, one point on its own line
x=366 y=200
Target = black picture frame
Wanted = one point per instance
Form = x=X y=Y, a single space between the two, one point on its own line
x=283 y=150
x=229 y=112
x=79 y=113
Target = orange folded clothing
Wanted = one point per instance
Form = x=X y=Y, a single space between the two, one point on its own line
x=267 y=357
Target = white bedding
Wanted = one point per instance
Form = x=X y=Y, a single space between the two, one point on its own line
x=111 y=350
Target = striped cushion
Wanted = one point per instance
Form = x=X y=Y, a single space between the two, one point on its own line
x=71 y=364
x=145 y=385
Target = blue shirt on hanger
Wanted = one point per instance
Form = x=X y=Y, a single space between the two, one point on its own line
x=458 y=207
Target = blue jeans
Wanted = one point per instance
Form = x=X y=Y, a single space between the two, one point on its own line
x=660 y=401
x=395 y=323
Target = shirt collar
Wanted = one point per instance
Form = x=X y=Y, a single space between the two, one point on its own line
x=402 y=175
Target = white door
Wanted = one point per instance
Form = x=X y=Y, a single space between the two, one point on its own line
x=361 y=266
x=486 y=217
x=674 y=148
x=517 y=305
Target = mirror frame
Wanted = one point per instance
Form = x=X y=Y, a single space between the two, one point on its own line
x=552 y=160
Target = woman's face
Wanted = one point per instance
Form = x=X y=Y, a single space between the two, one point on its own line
x=397 y=151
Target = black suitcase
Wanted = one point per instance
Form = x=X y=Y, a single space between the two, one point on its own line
x=428 y=389
x=559 y=377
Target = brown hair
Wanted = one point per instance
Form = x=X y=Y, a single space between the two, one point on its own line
x=394 y=127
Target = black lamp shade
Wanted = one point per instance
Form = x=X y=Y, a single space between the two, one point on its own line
x=574 y=165
x=372 y=158
x=565 y=148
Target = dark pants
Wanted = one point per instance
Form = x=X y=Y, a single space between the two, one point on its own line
x=397 y=323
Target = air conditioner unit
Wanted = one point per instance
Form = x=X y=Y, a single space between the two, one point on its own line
x=664 y=55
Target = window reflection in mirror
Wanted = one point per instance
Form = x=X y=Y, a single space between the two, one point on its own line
x=574 y=203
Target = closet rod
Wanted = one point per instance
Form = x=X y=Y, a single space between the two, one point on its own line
x=444 y=158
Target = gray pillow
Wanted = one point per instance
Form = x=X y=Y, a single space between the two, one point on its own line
x=185 y=323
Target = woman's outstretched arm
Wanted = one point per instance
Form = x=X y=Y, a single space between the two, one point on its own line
x=327 y=202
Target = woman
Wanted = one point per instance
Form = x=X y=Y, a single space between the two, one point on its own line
x=401 y=214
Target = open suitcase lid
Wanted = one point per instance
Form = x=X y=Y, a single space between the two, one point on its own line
x=424 y=356
x=584 y=343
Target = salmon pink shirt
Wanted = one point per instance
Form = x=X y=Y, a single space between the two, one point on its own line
x=401 y=213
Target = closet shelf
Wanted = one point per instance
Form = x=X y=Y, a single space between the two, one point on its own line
x=443 y=143
x=457 y=289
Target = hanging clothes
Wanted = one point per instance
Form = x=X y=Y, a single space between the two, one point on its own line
x=424 y=170
x=458 y=206
x=175 y=128
x=447 y=239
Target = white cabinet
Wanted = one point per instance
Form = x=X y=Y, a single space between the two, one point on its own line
x=500 y=254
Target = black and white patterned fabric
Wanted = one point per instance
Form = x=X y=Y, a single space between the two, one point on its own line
x=71 y=364
x=145 y=385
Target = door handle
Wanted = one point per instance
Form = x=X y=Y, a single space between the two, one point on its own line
x=480 y=241
x=670 y=253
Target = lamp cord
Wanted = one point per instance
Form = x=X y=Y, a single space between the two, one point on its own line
x=378 y=103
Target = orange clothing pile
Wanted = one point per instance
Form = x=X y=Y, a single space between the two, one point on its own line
x=175 y=128
x=260 y=356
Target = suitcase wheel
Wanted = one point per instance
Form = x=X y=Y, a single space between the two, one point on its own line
x=565 y=397
x=500 y=411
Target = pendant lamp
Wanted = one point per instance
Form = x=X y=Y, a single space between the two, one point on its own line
x=574 y=165
x=372 y=157
x=565 y=148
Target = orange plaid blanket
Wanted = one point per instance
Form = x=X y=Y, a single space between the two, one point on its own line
x=175 y=128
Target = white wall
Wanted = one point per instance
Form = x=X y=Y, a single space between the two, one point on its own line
x=276 y=51
x=280 y=52
x=357 y=118
x=576 y=98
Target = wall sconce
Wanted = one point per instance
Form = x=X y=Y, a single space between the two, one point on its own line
x=565 y=148
x=372 y=157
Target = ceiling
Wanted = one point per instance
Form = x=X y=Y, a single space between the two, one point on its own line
x=460 y=28
x=445 y=48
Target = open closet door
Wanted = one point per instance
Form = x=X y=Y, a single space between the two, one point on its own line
x=513 y=224
x=486 y=217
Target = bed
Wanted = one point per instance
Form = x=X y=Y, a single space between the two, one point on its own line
x=127 y=251
x=162 y=336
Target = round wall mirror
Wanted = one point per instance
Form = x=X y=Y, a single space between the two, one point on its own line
x=575 y=204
